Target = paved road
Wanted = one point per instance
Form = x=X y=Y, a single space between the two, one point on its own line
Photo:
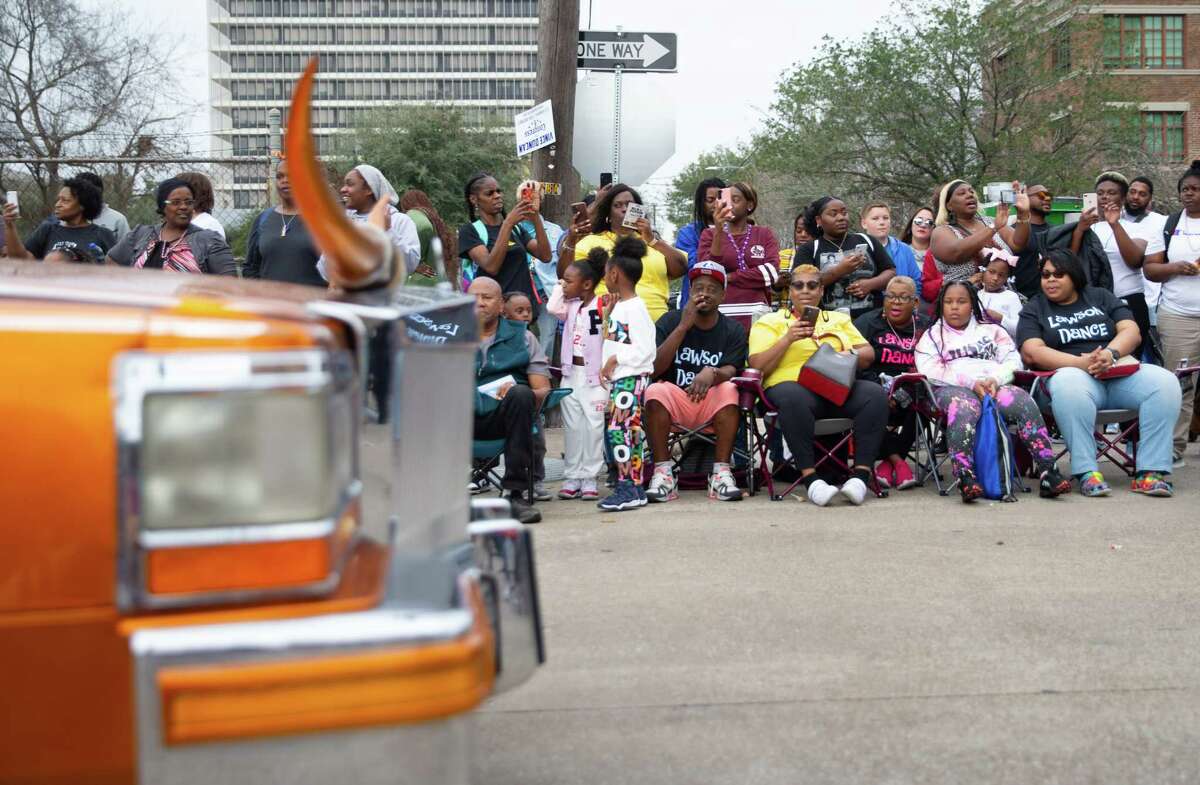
x=911 y=640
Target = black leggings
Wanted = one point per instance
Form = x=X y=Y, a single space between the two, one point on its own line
x=799 y=410
x=900 y=440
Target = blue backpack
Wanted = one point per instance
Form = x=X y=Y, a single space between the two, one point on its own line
x=995 y=462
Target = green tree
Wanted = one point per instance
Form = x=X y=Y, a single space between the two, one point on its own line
x=942 y=91
x=433 y=149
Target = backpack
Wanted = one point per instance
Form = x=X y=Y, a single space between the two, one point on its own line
x=995 y=464
x=1169 y=230
x=470 y=270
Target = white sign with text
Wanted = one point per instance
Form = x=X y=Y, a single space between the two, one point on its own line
x=535 y=128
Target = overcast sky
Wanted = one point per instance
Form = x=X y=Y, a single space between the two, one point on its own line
x=732 y=53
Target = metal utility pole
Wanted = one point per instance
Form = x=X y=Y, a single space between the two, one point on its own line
x=558 y=41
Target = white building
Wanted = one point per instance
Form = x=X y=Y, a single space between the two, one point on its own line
x=480 y=55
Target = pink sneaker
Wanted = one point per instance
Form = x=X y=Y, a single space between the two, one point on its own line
x=884 y=475
x=904 y=476
x=588 y=491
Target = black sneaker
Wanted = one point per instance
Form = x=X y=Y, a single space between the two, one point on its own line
x=523 y=511
x=1051 y=483
x=626 y=496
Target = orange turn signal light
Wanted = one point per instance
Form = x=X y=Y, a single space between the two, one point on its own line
x=377 y=687
x=247 y=566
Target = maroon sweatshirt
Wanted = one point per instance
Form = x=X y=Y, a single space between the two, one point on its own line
x=753 y=279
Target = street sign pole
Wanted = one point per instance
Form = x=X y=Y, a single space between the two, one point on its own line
x=617 y=125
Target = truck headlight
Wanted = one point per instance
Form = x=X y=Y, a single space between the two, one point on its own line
x=232 y=460
x=240 y=458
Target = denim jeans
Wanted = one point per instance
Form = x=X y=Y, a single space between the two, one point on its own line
x=1152 y=392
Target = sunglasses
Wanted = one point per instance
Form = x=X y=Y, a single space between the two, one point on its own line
x=1046 y=195
x=812 y=286
x=181 y=202
x=1056 y=274
x=926 y=222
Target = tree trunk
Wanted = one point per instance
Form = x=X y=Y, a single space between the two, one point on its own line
x=558 y=37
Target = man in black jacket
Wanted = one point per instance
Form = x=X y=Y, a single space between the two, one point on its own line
x=1044 y=237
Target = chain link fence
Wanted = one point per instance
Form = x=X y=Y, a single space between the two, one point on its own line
x=241 y=187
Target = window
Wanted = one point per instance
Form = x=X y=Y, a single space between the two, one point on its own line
x=1060 y=49
x=1143 y=41
x=1162 y=134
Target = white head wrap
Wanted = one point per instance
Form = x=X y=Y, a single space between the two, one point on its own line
x=378 y=184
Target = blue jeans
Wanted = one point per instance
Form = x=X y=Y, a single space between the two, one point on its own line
x=547 y=324
x=1152 y=392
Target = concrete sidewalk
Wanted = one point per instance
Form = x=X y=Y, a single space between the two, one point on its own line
x=914 y=639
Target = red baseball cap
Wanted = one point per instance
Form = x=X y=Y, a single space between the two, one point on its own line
x=715 y=269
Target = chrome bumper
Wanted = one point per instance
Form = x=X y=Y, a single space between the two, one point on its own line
x=378 y=696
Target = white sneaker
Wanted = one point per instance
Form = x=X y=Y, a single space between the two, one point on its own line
x=663 y=487
x=821 y=493
x=855 y=491
x=723 y=486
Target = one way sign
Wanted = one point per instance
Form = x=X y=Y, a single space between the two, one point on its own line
x=602 y=50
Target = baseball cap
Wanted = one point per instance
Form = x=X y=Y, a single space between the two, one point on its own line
x=714 y=269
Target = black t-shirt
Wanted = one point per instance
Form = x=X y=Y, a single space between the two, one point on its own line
x=893 y=345
x=50 y=236
x=290 y=254
x=724 y=344
x=825 y=254
x=1028 y=275
x=514 y=274
x=1079 y=328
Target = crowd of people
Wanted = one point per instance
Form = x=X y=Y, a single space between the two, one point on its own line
x=1110 y=303
x=1102 y=305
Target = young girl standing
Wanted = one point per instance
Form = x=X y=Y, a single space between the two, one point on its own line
x=575 y=304
x=629 y=349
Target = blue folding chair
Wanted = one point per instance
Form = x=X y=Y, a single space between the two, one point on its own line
x=488 y=452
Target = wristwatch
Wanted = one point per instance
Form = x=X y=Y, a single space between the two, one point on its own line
x=1115 y=354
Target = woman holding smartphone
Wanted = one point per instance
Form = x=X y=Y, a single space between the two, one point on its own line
x=780 y=344
x=687 y=239
x=1179 y=302
x=962 y=233
x=661 y=263
x=749 y=253
x=855 y=269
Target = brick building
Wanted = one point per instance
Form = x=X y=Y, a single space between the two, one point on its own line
x=1153 y=47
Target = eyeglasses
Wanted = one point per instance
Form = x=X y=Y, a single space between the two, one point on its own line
x=1053 y=274
x=181 y=202
x=926 y=222
x=812 y=286
x=899 y=298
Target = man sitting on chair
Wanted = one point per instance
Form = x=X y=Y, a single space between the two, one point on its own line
x=512 y=376
x=699 y=351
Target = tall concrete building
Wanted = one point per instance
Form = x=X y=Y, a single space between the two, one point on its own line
x=480 y=55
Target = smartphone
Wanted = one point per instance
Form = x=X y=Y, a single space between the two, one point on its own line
x=726 y=197
x=605 y=179
x=525 y=191
x=1090 y=202
x=11 y=197
x=1006 y=196
x=810 y=314
x=580 y=210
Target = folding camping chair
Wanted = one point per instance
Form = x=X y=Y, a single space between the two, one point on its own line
x=487 y=453
x=929 y=452
x=1120 y=448
x=764 y=424
x=692 y=451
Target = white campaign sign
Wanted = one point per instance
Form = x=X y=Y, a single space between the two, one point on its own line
x=534 y=128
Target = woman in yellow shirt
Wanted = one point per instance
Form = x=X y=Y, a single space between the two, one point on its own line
x=661 y=263
x=780 y=344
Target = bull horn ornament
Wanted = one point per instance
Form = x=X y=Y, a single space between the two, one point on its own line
x=356 y=256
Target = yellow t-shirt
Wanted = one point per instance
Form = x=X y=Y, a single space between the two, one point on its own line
x=654 y=285
x=770 y=328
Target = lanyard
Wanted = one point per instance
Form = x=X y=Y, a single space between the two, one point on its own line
x=740 y=251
